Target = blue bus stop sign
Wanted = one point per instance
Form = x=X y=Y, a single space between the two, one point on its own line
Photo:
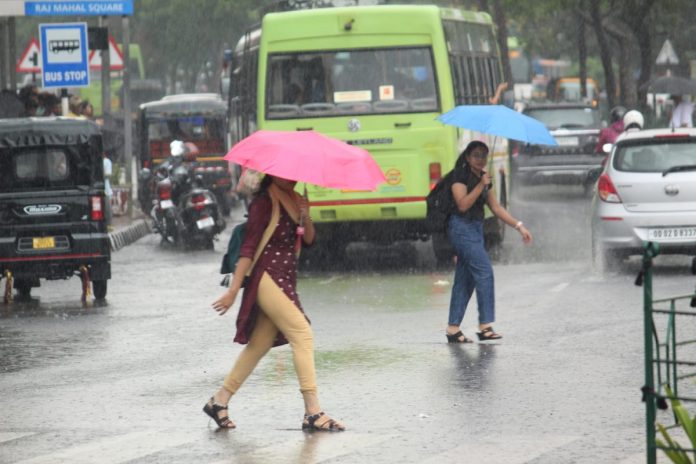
x=78 y=7
x=64 y=51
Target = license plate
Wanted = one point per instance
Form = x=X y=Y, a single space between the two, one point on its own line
x=44 y=242
x=673 y=233
x=203 y=223
x=565 y=141
x=166 y=204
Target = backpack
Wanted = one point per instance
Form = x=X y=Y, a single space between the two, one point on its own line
x=440 y=204
x=229 y=261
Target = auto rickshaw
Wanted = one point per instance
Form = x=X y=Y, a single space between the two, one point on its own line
x=199 y=120
x=52 y=205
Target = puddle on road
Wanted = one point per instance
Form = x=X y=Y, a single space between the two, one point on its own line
x=45 y=346
x=34 y=307
x=279 y=366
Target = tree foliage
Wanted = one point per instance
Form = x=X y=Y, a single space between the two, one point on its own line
x=183 y=38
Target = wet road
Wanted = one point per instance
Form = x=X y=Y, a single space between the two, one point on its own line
x=125 y=381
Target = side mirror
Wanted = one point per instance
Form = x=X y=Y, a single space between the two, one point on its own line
x=606 y=148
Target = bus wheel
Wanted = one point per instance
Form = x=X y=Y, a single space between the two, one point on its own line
x=442 y=249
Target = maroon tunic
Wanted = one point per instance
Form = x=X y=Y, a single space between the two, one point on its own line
x=277 y=259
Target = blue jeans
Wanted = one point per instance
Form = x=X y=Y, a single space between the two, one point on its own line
x=474 y=271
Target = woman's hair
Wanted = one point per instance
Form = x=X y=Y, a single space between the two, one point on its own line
x=263 y=186
x=461 y=161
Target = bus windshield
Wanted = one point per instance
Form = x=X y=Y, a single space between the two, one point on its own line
x=366 y=81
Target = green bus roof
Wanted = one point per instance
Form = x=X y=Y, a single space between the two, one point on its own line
x=359 y=20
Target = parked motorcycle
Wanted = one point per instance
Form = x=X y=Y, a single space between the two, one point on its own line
x=184 y=212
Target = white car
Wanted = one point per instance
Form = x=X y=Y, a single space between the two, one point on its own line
x=647 y=192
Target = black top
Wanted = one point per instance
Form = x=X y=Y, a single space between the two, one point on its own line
x=464 y=176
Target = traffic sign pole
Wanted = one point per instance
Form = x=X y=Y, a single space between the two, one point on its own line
x=64 y=102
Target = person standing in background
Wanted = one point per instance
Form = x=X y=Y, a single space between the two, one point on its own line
x=682 y=115
x=108 y=172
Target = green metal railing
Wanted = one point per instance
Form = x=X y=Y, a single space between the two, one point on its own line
x=665 y=365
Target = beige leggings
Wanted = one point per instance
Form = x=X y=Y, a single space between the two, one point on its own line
x=278 y=312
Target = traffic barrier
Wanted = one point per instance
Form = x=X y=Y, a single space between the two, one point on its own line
x=133 y=232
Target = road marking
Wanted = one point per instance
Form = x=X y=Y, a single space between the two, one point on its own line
x=510 y=449
x=312 y=447
x=116 y=449
x=560 y=287
x=9 y=436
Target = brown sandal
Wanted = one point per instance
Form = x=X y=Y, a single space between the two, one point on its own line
x=212 y=409
x=458 y=337
x=488 y=334
x=329 y=425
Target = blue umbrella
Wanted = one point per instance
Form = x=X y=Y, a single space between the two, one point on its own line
x=500 y=121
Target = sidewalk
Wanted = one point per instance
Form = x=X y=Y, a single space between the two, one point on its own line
x=128 y=228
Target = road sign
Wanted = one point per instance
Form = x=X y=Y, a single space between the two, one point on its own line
x=115 y=57
x=64 y=55
x=667 y=54
x=78 y=8
x=30 y=62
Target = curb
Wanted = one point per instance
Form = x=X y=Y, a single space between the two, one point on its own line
x=127 y=235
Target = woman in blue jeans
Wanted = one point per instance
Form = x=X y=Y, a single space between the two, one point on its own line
x=471 y=190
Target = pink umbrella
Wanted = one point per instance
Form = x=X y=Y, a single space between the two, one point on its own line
x=308 y=156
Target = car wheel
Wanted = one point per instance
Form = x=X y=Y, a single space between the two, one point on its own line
x=23 y=288
x=99 y=289
x=604 y=260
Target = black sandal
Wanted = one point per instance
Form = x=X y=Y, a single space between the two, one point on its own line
x=488 y=334
x=459 y=337
x=212 y=409
x=330 y=425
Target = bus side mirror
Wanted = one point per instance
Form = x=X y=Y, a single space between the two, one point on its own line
x=606 y=148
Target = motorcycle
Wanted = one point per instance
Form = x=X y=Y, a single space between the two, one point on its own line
x=184 y=211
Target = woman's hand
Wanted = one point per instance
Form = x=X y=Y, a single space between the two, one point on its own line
x=303 y=204
x=486 y=179
x=226 y=301
x=526 y=235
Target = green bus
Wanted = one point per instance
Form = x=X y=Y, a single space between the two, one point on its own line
x=375 y=77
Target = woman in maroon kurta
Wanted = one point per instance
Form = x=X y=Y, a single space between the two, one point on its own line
x=270 y=312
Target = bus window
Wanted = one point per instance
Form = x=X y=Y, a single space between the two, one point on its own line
x=351 y=82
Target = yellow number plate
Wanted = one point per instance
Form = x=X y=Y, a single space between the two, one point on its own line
x=44 y=242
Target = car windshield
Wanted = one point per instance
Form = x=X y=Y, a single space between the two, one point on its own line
x=655 y=157
x=394 y=80
x=44 y=168
x=568 y=118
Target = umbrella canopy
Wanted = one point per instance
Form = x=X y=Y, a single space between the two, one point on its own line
x=499 y=120
x=674 y=85
x=308 y=156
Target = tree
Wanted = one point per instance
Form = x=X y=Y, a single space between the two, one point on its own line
x=182 y=38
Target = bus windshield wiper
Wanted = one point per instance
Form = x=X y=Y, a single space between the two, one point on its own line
x=685 y=167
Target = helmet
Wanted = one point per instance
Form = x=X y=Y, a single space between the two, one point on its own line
x=177 y=148
x=633 y=120
x=617 y=113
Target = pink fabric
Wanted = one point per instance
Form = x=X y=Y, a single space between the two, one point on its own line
x=308 y=156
